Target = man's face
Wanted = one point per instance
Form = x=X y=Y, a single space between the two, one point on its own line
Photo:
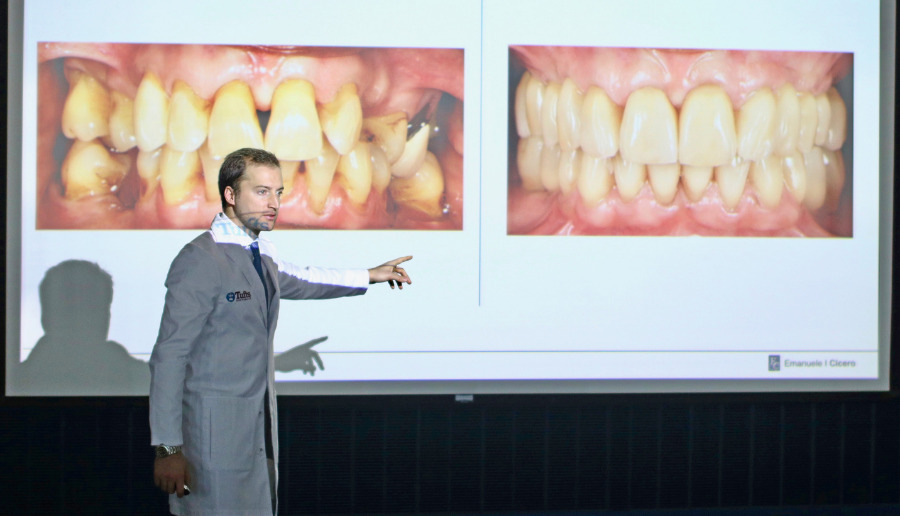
x=257 y=198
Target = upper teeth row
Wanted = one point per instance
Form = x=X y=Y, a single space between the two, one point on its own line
x=183 y=133
x=706 y=131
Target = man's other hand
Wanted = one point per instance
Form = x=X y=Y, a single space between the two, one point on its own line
x=170 y=474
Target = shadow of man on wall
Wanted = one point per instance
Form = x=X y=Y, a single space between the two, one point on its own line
x=74 y=356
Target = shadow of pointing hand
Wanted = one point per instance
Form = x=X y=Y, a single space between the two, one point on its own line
x=301 y=357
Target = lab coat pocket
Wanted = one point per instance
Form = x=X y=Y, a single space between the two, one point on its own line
x=233 y=427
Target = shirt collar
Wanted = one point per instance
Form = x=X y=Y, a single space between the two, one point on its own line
x=225 y=231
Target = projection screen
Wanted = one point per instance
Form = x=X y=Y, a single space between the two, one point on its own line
x=604 y=196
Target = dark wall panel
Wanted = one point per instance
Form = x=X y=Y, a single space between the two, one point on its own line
x=514 y=454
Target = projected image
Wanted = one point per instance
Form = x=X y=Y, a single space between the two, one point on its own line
x=629 y=141
x=132 y=135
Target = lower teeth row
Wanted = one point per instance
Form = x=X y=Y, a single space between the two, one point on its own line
x=90 y=169
x=815 y=178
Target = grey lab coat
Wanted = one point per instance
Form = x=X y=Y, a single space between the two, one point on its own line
x=213 y=361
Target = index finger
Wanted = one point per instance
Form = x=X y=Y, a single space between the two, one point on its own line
x=398 y=261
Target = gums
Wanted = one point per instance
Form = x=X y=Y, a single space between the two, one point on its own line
x=639 y=202
x=107 y=187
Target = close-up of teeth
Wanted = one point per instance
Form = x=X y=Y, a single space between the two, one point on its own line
x=688 y=151
x=364 y=136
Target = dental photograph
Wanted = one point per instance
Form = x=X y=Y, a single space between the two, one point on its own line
x=131 y=136
x=670 y=141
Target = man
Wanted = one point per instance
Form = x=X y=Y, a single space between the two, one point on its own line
x=212 y=401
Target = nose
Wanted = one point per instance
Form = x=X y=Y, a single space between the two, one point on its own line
x=274 y=200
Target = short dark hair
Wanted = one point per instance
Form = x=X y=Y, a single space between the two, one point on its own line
x=235 y=165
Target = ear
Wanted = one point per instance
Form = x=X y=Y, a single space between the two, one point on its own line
x=230 y=196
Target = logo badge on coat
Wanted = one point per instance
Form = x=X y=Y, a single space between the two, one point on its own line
x=237 y=295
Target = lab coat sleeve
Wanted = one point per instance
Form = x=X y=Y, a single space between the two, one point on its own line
x=192 y=286
x=320 y=282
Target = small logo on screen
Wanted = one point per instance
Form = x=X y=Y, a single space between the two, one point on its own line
x=774 y=362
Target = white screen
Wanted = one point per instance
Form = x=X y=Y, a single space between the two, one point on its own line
x=490 y=311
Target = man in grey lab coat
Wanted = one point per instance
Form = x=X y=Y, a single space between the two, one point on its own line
x=213 y=417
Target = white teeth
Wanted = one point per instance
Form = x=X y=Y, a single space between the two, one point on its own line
x=695 y=181
x=341 y=119
x=835 y=175
x=568 y=170
x=211 y=165
x=629 y=177
x=233 y=123
x=89 y=169
x=550 y=167
x=85 y=114
x=293 y=132
x=528 y=158
x=594 y=178
x=808 y=122
x=600 y=122
x=389 y=133
x=413 y=155
x=121 y=123
x=289 y=171
x=550 y=129
x=787 y=119
x=767 y=176
x=815 y=179
x=795 y=175
x=319 y=174
x=756 y=125
x=188 y=118
x=732 y=179
x=354 y=173
x=148 y=170
x=151 y=113
x=649 y=132
x=569 y=115
x=837 y=127
x=664 y=181
x=534 y=99
x=519 y=107
x=381 y=168
x=424 y=191
x=706 y=128
x=567 y=138
x=179 y=175
x=823 y=121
